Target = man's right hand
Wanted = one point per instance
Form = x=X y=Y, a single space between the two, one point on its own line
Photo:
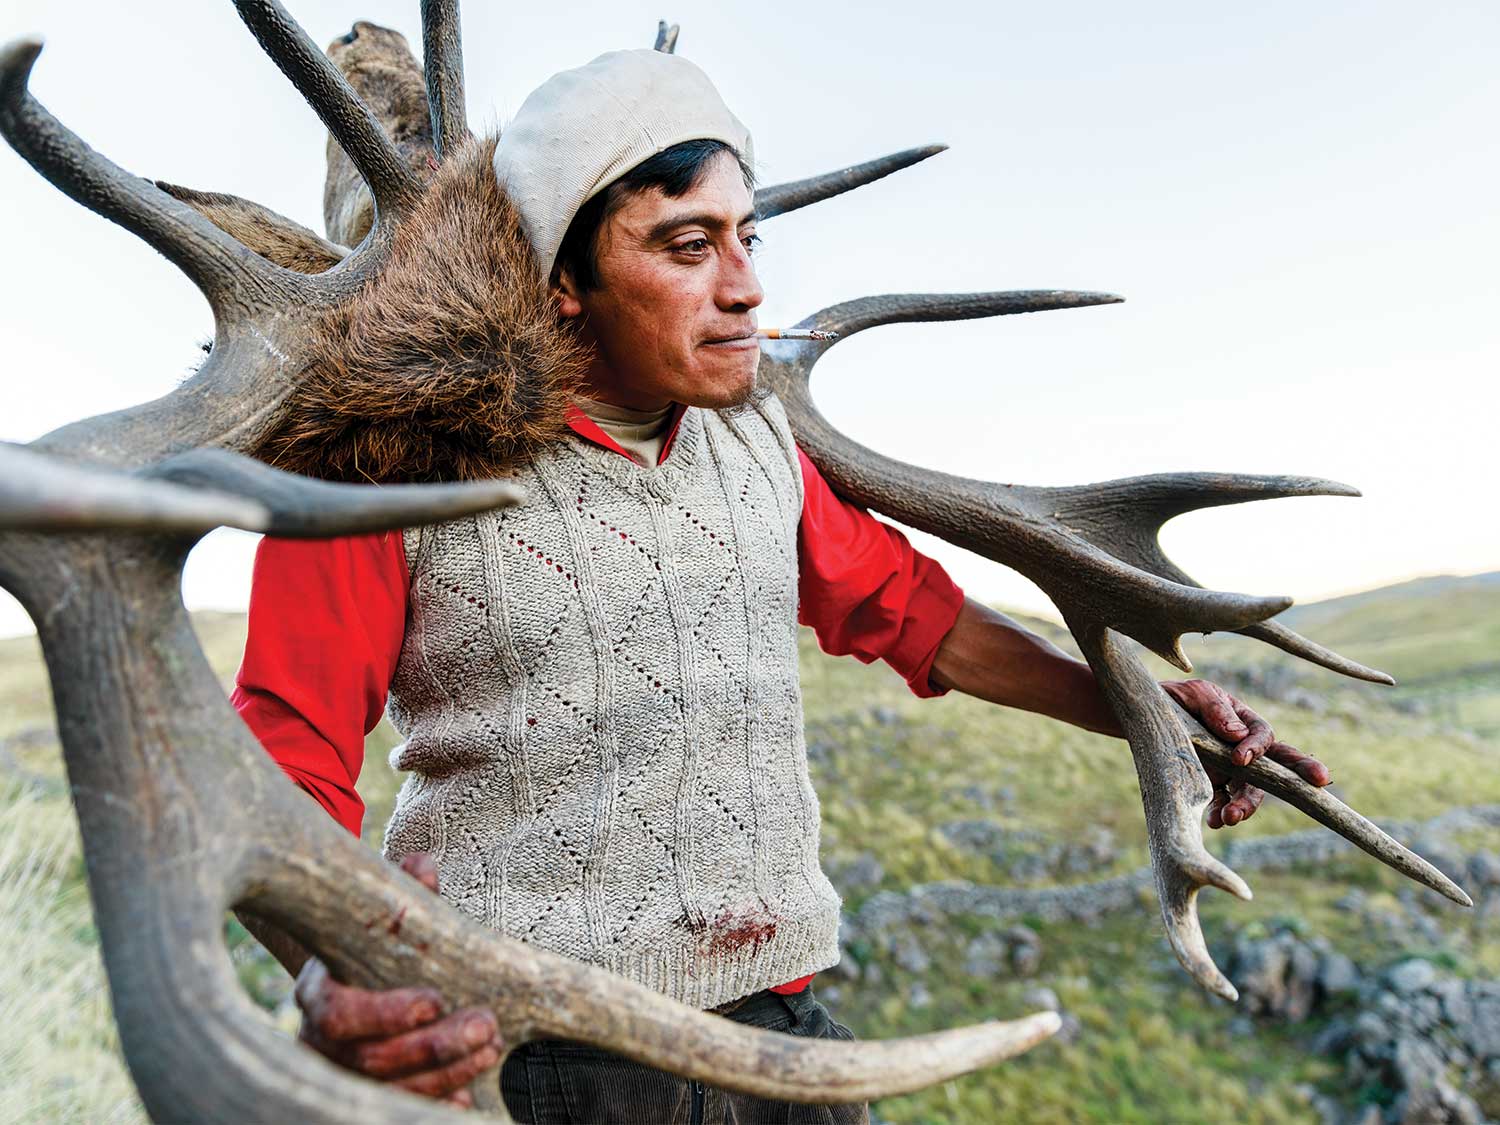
x=398 y=1035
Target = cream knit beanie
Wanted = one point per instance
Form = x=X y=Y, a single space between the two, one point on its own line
x=583 y=129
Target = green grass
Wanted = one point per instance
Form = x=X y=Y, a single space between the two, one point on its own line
x=890 y=770
x=58 y=1052
x=1154 y=1048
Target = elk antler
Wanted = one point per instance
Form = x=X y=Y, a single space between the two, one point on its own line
x=443 y=64
x=182 y=814
x=1094 y=551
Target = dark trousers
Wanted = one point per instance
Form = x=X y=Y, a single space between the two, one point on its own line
x=553 y=1082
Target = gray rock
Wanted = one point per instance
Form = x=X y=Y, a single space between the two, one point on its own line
x=858 y=875
x=978 y=795
x=1334 y=1039
x=1415 y=1065
x=988 y=955
x=1480 y=1032
x=1370 y=1030
x=1423 y=1012
x=1410 y=976
x=1025 y=950
x=1337 y=975
x=1026 y=959
x=821 y=751
x=1453 y=998
x=1353 y=901
x=1094 y=850
x=845 y=968
x=908 y=954
x=918 y=995
x=1022 y=935
x=1071 y=1030
x=1484 y=870
x=975 y=834
x=1240 y=1026
x=1277 y=977
x=1041 y=998
x=1329 y=1111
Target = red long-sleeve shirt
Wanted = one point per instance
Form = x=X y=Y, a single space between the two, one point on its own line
x=327 y=620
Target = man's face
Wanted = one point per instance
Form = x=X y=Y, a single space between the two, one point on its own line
x=672 y=318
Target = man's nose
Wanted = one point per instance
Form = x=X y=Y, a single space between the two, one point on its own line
x=739 y=287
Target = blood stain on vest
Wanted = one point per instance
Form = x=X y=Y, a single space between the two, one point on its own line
x=732 y=932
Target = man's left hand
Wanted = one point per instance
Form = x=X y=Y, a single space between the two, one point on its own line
x=1227 y=718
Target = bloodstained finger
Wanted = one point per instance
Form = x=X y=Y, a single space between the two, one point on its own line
x=1216 y=807
x=427 y=1048
x=1306 y=766
x=452 y=1078
x=1258 y=741
x=462 y=1099
x=1244 y=800
x=342 y=1013
x=1215 y=710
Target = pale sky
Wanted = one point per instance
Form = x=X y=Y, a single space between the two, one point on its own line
x=1297 y=200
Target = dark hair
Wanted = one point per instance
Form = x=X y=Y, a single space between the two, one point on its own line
x=674 y=172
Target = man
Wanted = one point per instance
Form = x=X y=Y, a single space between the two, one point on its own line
x=599 y=688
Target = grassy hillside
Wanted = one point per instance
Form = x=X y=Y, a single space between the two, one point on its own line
x=915 y=792
x=1439 y=637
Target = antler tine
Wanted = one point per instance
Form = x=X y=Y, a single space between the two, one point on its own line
x=443 y=65
x=1165 y=495
x=1125 y=516
x=346 y=116
x=778 y=199
x=1174 y=791
x=302 y=508
x=207 y=488
x=1279 y=636
x=39 y=492
x=536 y=993
x=660 y=1033
x=666 y=37
x=898 y=308
x=235 y=283
x=1327 y=810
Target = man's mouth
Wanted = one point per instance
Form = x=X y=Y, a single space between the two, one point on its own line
x=740 y=338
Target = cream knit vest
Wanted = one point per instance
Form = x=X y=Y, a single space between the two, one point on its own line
x=602 y=714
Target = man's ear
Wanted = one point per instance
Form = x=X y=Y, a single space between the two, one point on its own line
x=565 y=292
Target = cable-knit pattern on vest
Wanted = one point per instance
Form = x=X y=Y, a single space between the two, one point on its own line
x=603 y=719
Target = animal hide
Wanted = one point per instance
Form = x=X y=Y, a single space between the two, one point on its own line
x=380 y=66
x=270 y=235
x=449 y=364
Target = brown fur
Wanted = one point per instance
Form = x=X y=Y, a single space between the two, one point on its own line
x=450 y=363
x=270 y=235
x=385 y=74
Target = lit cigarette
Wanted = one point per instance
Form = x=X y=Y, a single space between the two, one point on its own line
x=796 y=334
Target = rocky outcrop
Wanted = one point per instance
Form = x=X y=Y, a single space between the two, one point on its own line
x=1419 y=1045
x=930 y=903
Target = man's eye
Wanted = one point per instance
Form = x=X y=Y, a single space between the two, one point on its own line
x=696 y=246
x=752 y=242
